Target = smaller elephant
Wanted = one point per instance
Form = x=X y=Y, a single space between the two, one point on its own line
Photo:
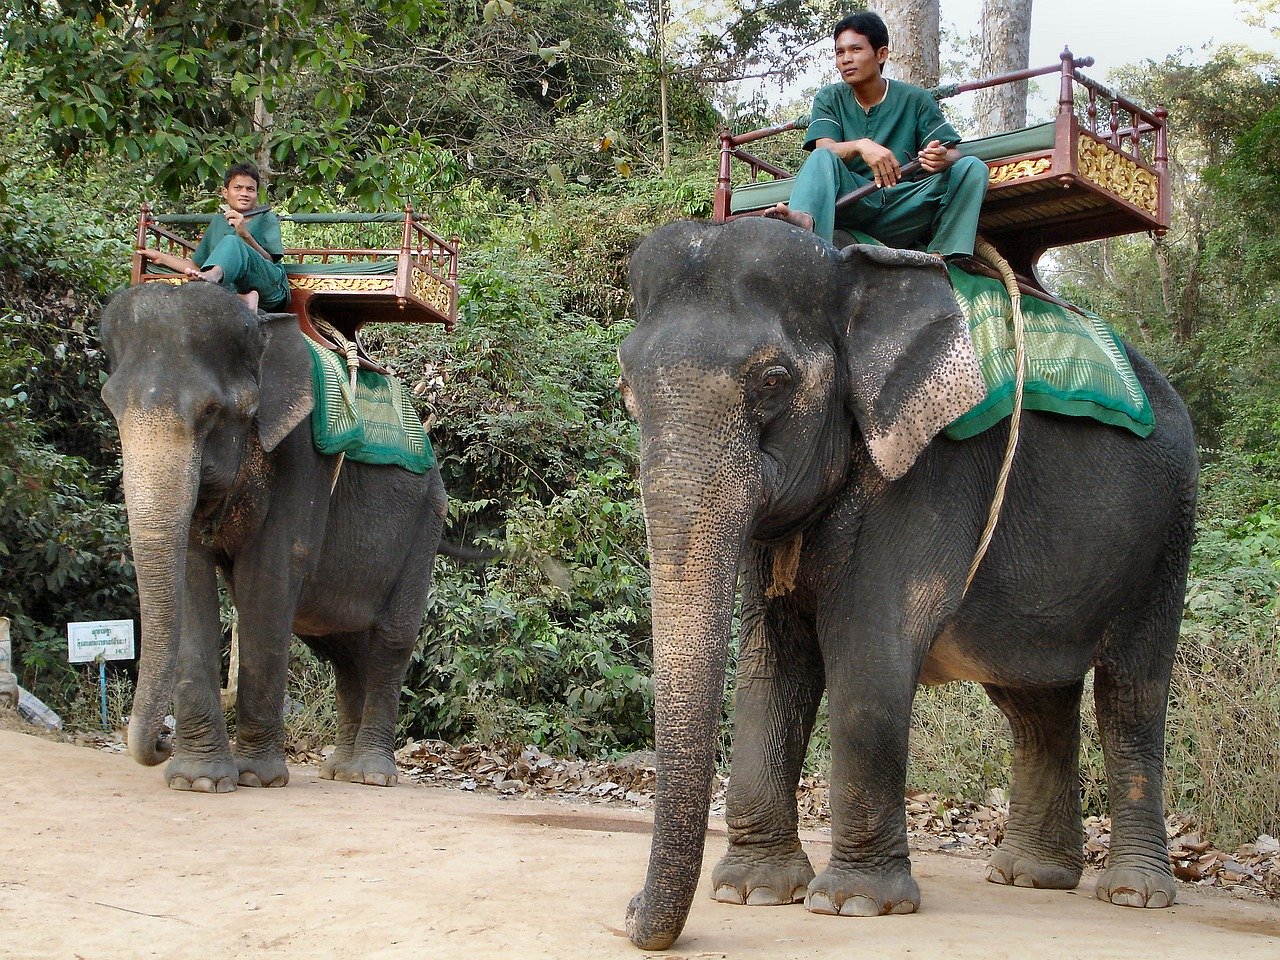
x=220 y=473
x=791 y=400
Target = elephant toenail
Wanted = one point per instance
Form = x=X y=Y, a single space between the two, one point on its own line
x=726 y=893
x=860 y=907
x=820 y=903
x=762 y=897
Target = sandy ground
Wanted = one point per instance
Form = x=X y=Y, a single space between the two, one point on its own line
x=99 y=860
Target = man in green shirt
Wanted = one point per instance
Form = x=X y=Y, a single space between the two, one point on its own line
x=241 y=248
x=863 y=130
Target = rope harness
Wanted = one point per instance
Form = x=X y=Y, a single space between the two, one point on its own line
x=985 y=251
x=351 y=350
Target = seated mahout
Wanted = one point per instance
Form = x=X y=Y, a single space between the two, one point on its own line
x=863 y=130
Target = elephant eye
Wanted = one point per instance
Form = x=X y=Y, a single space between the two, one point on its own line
x=775 y=378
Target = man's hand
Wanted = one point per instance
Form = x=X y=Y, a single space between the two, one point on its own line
x=935 y=157
x=884 y=165
x=237 y=222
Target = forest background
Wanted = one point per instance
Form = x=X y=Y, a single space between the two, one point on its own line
x=534 y=130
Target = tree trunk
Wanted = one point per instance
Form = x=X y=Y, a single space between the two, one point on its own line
x=913 y=40
x=1005 y=47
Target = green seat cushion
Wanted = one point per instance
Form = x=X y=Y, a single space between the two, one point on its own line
x=761 y=194
x=1012 y=143
x=339 y=268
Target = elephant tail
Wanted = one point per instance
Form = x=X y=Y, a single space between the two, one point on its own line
x=470 y=554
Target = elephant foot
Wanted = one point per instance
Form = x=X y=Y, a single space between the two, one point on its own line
x=1136 y=887
x=1017 y=869
x=262 y=771
x=864 y=892
x=201 y=776
x=757 y=879
x=375 y=771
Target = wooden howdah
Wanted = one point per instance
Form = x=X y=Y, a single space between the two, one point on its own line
x=1105 y=174
x=416 y=282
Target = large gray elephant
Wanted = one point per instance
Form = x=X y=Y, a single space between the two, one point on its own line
x=220 y=471
x=790 y=399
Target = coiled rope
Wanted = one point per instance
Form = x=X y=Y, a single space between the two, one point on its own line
x=352 y=352
x=985 y=251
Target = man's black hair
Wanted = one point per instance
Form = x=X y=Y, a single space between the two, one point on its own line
x=245 y=169
x=867 y=24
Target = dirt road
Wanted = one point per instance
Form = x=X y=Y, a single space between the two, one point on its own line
x=100 y=861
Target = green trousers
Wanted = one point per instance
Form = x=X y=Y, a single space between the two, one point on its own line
x=244 y=269
x=938 y=213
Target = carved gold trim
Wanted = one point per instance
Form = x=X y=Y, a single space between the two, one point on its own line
x=1112 y=170
x=155 y=279
x=430 y=289
x=1019 y=170
x=324 y=284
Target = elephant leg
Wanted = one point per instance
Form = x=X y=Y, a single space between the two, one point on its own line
x=349 y=687
x=779 y=685
x=1131 y=690
x=202 y=758
x=870 y=706
x=266 y=606
x=384 y=659
x=1043 y=844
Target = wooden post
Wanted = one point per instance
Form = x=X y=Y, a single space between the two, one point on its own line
x=455 y=241
x=144 y=218
x=403 y=261
x=1064 y=128
x=1161 y=163
x=1066 y=96
x=724 y=185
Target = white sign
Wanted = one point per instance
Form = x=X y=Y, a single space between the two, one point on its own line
x=109 y=639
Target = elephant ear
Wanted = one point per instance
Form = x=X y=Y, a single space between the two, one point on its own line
x=284 y=379
x=909 y=357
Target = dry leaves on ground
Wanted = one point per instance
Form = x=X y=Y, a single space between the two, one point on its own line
x=933 y=822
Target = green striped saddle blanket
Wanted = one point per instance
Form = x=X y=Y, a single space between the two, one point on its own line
x=377 y=425
x=1076 y=365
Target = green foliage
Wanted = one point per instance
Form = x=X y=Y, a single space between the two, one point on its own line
x=550 y=646
x=200 y=85
x=63 y=536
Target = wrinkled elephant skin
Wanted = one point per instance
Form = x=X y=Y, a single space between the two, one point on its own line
x=220 y=474
x=790 y=400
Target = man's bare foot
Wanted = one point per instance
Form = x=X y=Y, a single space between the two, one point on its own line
x=794 y=217
x=250 y=299
x=212 y=274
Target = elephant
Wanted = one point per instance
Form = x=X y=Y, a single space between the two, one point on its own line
x=212 y=401
x=790 y=400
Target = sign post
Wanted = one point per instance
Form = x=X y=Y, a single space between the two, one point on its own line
x=97 y=641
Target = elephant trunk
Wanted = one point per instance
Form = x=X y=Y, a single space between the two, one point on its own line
x=695 y=550
x=161 y=480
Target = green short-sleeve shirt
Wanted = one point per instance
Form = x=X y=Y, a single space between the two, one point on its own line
x=904 y=121
x=265 y=228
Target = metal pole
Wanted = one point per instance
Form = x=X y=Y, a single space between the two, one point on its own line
x=102 y=688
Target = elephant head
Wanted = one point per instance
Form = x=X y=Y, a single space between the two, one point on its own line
x=767 y=372
x=199 y=386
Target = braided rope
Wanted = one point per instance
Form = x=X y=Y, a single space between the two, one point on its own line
x=352 y=352
x=985 y=251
